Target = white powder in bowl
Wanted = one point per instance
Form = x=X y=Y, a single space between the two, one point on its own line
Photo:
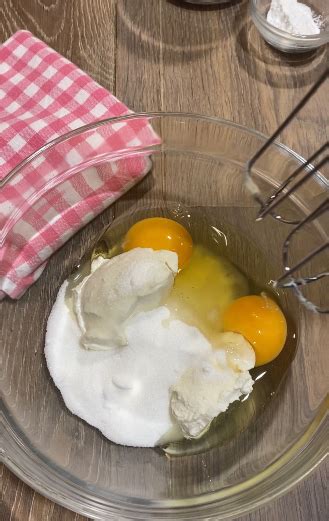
x=293 y=17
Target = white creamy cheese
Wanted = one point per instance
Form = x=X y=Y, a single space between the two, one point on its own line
x=117 y=288
x=207 y=388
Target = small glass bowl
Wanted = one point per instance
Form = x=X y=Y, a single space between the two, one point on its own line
x=287 y=42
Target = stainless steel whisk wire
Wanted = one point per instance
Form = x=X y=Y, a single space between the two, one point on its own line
x=310 y=168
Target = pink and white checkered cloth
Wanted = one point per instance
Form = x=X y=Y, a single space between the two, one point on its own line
x=43 y=96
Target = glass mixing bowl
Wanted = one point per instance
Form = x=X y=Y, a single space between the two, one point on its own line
x=199 y=163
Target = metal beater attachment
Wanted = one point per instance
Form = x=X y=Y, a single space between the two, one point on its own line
x=269 y=206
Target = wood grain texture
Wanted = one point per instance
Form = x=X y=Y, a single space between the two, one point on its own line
x=163 y=55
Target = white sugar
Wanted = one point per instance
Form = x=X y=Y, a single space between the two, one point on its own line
x=123 y=392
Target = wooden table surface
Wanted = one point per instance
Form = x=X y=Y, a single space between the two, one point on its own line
x=160 y=55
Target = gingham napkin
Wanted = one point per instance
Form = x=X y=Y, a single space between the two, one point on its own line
x=43 y=96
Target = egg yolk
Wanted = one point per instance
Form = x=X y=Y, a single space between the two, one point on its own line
x=260 y=320
x=160 y=233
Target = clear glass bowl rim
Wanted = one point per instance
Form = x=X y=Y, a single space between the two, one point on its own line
x=322 y=37
x=18 y=454
x=136 y=115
